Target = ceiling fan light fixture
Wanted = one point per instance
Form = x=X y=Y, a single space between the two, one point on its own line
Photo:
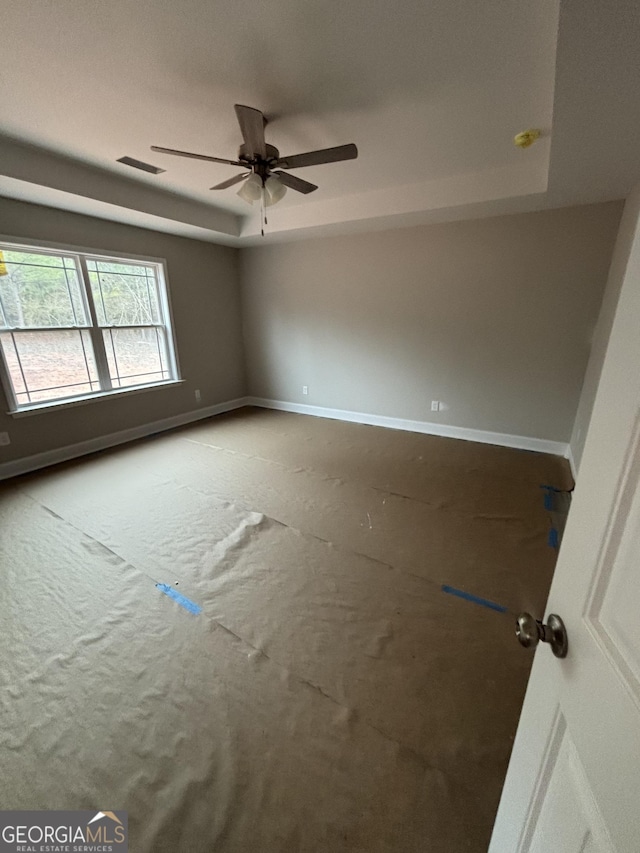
x=274 y=190
x=251 y=190
x=260 y=183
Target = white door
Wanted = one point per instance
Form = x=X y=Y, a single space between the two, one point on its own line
x=573 y=784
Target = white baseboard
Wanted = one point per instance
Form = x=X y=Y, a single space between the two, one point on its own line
x=62 y=454
x=72 y=451
x=522 y=442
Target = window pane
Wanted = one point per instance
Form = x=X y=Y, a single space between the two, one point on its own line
x=136 y=356
x=124 y=294
x=13 y=363
x=50 y=365
x=40 y=291
x=45 y=336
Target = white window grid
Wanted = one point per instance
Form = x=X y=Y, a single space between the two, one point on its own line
x=104 y=383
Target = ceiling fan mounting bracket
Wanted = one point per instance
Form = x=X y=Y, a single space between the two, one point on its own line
x=246 y=156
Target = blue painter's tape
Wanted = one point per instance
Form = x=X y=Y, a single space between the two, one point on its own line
x=474 y=598
x=554 y=541
x=189 y=605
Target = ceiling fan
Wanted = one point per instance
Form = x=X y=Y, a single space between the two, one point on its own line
x=266 y=181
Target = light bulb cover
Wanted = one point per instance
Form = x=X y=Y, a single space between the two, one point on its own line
x=251 y=189
x=274 y=190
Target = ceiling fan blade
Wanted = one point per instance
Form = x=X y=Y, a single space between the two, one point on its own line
x=252 y=123
x=231 y=181
x=316 y=158
x=295 y=183
x=196 y=156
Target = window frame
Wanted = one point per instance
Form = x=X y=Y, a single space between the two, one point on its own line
x=95 y=331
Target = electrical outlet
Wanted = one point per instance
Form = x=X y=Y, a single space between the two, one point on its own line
x=197 y=395
x=435 y=405
x=305 y=389
x=4 y=438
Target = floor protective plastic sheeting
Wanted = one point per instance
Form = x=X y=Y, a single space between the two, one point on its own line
x=243 y=634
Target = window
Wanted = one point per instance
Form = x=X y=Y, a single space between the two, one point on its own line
x=77 y=324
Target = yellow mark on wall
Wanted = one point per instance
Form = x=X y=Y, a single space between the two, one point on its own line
x=3 y=268
x=526 y=138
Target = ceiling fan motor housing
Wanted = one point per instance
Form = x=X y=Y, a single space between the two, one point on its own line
x=260 y=166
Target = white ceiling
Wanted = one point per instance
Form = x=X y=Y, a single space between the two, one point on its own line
x=431 y=92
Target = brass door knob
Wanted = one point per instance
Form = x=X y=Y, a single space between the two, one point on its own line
x=530 y=632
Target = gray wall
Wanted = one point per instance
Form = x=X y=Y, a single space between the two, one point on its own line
x=205 y=297
x=494 y=317
x=622 y=251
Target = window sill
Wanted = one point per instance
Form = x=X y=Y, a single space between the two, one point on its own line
x=50 y=405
